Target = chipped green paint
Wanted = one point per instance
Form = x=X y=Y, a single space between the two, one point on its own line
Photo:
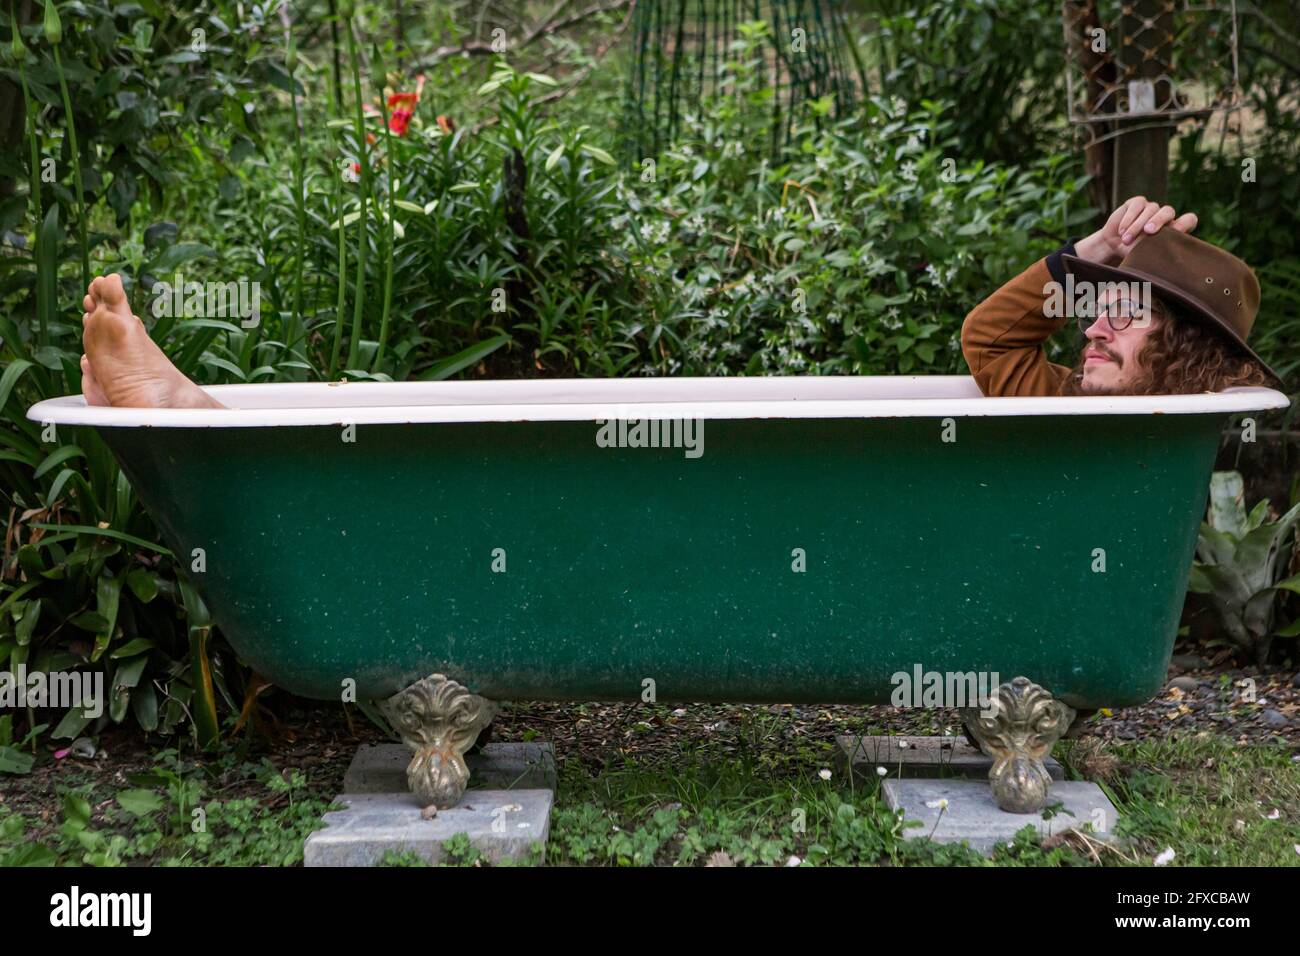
x=373 y=560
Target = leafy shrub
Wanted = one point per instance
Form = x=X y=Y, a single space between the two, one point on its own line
x=988 y=58
x=861 y=253
x=84 y=582
x=1241 y=560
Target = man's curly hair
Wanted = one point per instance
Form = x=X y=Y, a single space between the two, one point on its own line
x=1184 y=355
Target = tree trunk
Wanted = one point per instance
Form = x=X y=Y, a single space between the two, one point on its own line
x=1098 y=70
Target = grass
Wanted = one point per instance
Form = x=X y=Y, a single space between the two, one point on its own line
x=1210 y=801
x=714 y=802
x=1204 y=797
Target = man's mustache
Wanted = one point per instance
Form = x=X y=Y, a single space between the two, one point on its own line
x=1106 y=352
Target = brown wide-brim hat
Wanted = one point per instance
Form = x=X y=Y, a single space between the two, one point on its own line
x=1204 y=281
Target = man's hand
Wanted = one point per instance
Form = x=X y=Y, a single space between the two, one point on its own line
x=1137 y=217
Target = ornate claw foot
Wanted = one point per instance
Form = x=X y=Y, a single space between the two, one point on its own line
x=439 y=719
x=1017 y=730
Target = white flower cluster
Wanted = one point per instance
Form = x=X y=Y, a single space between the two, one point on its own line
x=655 y=232
x=790 y=361
x=701 y=352
x=940 y=277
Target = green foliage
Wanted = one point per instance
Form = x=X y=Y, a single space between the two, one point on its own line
x=1243 y=177
x=122 y=116
x=862 y=253
x=681 y=54
x=1241 y=560
x=167 y=817
x=999 y=62
x=12 y=758
x=738 y=818
x=1211 y=800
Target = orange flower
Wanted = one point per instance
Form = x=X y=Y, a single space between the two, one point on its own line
x=401 y=107
x=399 y=119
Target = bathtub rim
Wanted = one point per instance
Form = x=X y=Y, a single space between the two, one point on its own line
x=674 y=398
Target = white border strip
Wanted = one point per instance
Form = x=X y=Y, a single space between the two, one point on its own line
x=382 y=403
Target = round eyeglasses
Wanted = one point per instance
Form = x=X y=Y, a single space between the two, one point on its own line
x=1119 y=315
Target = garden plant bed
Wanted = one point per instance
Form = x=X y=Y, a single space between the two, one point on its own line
x=694 y=784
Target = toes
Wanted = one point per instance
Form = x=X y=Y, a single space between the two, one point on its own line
x=88 y=303
x=111 y=292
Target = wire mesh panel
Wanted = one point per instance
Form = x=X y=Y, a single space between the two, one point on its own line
x=1150 y=61
x=770 y=55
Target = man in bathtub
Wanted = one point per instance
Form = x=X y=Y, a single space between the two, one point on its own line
x=1162 y=313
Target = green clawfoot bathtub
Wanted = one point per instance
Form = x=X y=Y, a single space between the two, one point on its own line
x=447 y=545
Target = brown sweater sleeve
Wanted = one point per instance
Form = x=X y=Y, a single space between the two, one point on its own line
x=1002 y=337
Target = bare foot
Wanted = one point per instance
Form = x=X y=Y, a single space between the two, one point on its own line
x=122 y=365
x=90 y=385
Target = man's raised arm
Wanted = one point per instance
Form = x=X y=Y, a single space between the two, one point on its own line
x=1002 y=337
